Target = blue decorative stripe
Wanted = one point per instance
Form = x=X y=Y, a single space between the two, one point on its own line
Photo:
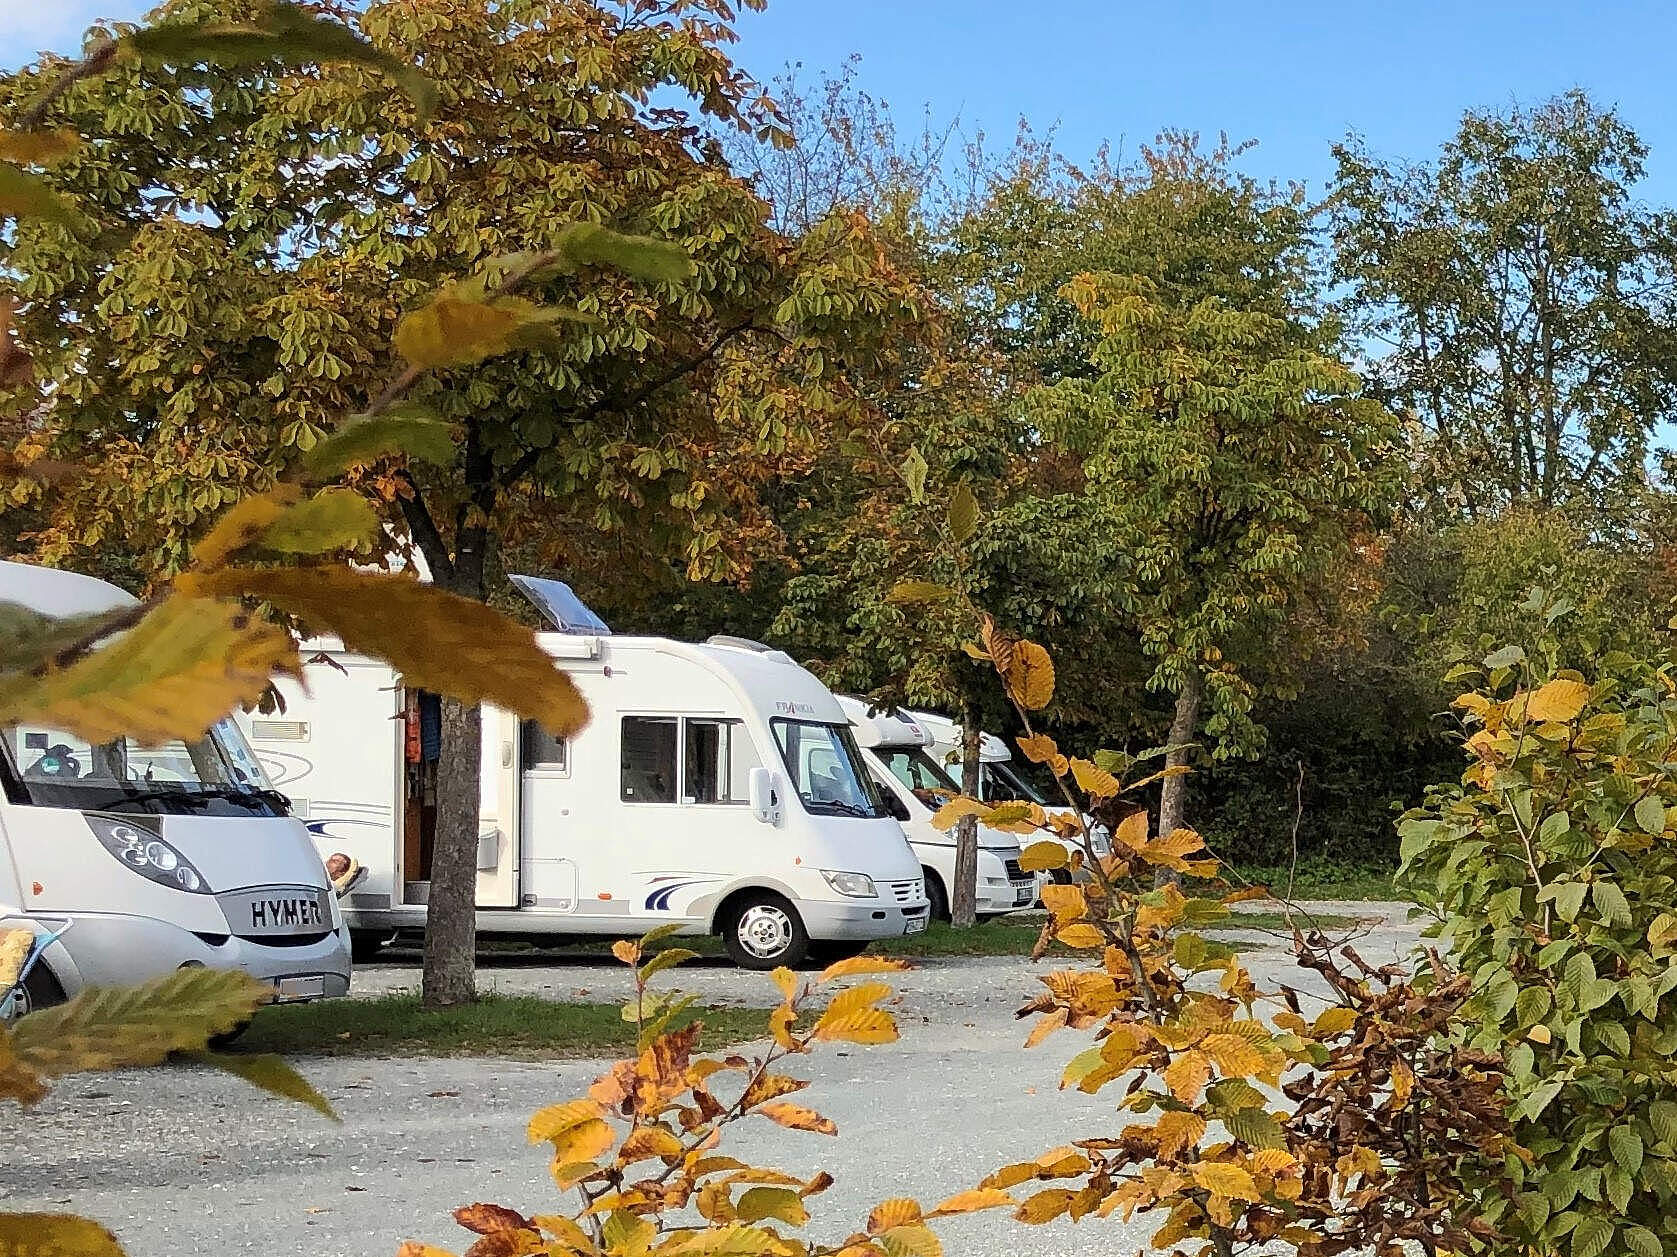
x=659 y=899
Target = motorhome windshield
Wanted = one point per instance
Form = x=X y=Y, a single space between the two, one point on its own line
x=826 y=769
x=920 y=773
x=1007 y=786
x=216 y=775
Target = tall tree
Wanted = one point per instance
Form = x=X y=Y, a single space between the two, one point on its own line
x=1232 y=467
x=1518 y=302
x=267 y=250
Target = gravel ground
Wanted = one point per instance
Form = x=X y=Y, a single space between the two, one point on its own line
x=183 y=1160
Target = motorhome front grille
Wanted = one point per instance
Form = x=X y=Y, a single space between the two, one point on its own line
x=1014 y=872
x=907 y=892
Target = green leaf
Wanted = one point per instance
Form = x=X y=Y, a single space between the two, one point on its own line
x=1618 y=1187
x=1532 y=1005
x=40 y=147
x=23 y=195
x=963 y=513
x=781 y=1203
x=1255 y=1127
x=1626 y=1146
x=1610 y=902
x=1662 y=1115
x=333 y=519
x=914 y=471
x=1578 y=977
x=911 y=591
x=1592 y=1238
x=1507 y=657
x=641 y=257
x=1612 y=1036
x=410 y=429
x=667 y=959
x=456 y=330
x=285 y=34
x=1650 y=814
x=271 y=1074
x=29 y=639
x=659 y=933
x=1643 y=1242
x=137 y=1025
x=1568 y=897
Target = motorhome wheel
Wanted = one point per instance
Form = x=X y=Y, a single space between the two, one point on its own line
x=937 y=897
x=40 y=990
x=365 y=945
x=764 y=931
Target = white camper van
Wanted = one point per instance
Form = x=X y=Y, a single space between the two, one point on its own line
x=999 y=781
x=143 y=860
x=896 y=749
x=717 y=786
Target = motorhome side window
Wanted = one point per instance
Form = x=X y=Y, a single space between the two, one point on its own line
x=649 y=759
x=719 y=761
x=541 y=749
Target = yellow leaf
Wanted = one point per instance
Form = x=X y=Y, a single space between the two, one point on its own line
x=780 y=1203
x=240 y=526
x=1187 y=1075
x=1273 y=1161
x=1132 y=831
x=1039 y=748
x=1178 y=1131
x=972 y=1202
x=795 y=1117
x=39 y=147
x=1403 y=1082
x=857 y=966
x=1031 y=678
x=55 y=1235
x=331 y=520
x=451 y=332
x=185 y=665
x=1043 y=855
x=1081 y=935
x=624 y=1233
x=413 y=1248
x=914 y=591
x=582 y=1142
x=649 y=1141
x=857 y=998
x=1015 y=818
x=1065 y=903
x=1044 y=1206
x=1335 y=1020
x=901 y=1211
x=1221 y=1179
x=626 y=952
x=911 y=1241
x=1233 y=1055
x=564 y=1230
x=950 y=814
x=1047 y=1025
x=1558 y=700
x=1540 y=1033
x=865 y=1025
x=781 y=1021
x=730 y=1241
x=116 y=1027
x=1095 y=780
x=556 y=1119
x=438 y=641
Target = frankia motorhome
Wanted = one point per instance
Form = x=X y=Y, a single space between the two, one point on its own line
x=896 y=750
x=999 y=781
x=716 y=786
x=153 y=859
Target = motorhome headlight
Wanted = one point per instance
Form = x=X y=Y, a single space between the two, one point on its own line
x=147 y=854
x=856 y=885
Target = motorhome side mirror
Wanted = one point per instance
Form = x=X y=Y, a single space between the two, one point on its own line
x=764 y=792
x=895 y=806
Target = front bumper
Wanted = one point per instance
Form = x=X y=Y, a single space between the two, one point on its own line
x=110 y=949
x=864 y=919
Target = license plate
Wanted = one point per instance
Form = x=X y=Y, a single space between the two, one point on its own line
x=1024 y=894
x=300 y=988
x=914 y=925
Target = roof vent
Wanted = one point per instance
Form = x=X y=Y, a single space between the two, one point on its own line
x=559 y=606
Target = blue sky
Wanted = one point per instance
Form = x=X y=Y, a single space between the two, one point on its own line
x=1293 y=75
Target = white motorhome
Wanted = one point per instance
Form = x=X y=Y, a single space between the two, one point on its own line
x=1000 y=782
x=143 y=860
x=896 y=750
x=717 y=786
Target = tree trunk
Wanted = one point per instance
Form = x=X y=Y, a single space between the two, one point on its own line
x=450 y=975
x=963 y=900
x=1173 y=791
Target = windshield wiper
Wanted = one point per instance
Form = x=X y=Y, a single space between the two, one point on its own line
x=849 y=809
x=203 y=794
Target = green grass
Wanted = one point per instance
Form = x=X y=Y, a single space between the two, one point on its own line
x=525 y=1027
x=1320 y=879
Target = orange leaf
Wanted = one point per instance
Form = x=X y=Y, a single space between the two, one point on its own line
x=857 y=966
x=864 y=1025
x=1221 y=1179
x=1233 y=1055
x=1178 y=1131
x=1044 y=1206
x=627 y=952
x=484 y=1218
x=1031 y=679
x=951 y=813
x=794 y=1117
x=1187 y=1075
x=901 y=1211
x=972 y=1202
x=1132 y=831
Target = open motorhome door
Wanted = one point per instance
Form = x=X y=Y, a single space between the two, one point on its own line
x=560 y=606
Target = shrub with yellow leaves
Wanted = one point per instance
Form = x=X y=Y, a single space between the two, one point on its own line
x=642 y=1150
x=1394 y=1129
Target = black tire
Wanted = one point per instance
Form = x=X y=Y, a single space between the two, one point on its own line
x=835 y=950
x=365 y=945
x=40 y=990
x=763 y=931
x=937 y=898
